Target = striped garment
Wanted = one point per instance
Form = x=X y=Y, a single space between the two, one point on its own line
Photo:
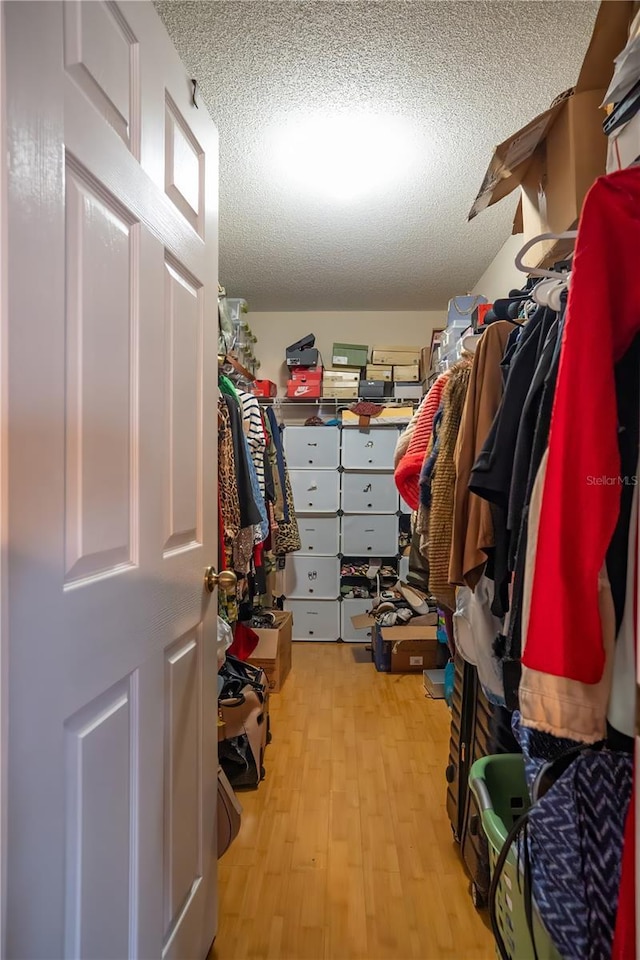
x=254 y=432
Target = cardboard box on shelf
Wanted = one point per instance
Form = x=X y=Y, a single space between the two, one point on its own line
x=556 y=157
x=304 y=375
x=264 y=388
x=273 y=652
x=407 y=391
x=341 y=378
x=374 y=389
x=378 y=371
x=389 y=417
x=395 y=355
x=350 y=355
x=303 y=358
x=304 y=391
x=340 y=393
x=406 y=373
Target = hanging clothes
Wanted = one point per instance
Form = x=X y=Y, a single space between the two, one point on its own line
x=492 y=473
x=582 y=476
x=227 y=479
x=254 y=432
x=403 y=440
x=288 y=536
x=472 y=524
x=407 y=472
x=442 y=487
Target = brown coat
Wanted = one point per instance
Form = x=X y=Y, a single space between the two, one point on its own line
x=443 y=484
x=472 y=523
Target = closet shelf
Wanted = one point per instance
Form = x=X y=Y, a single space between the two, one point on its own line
x=334 y=401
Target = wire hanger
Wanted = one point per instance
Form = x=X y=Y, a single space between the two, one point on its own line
x=539 y=271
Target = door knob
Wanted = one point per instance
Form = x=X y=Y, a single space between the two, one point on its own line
x=226 y=580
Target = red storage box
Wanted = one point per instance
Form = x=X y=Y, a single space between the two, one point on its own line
x=265 y=388
x=306 y=375
x=479 y=315
x=304 y=391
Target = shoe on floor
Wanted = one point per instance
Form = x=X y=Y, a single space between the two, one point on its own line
x=416 y=598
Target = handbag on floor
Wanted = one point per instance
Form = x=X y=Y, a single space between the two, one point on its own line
x=572 y=837
x=244 y=709
x=229 y=814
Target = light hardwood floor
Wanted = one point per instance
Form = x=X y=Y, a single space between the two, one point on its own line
x=346 y=851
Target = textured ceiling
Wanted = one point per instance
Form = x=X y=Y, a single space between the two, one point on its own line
x=463 y=75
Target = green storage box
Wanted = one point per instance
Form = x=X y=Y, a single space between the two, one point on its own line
x=499 y=786
x=350 y=355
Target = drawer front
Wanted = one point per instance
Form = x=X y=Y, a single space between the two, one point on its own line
x=320 y=535
x=315 y=491
x=315 y=620
x=307 y=576
x=404 y=506
x=369 y=493
x=312 y=448
x=374 y=535
x=372 y=450
x=351 y=608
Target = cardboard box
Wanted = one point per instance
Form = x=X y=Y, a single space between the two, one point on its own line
x=556 y=157
x=374 y=389
x=264 y=388
x=273 y=652
x=414 y=656
x=341 y=378
x=377 y=371
x=303 y=358
x=434 y=683
x=304 y=391
x=389 y=417
x=303 y=375
x=406 y=373
x=407 y=391
x=395 y=355
x=365 y=621
x=624 y=145
x=340 y=393
x=407 y=649
x=350 y=355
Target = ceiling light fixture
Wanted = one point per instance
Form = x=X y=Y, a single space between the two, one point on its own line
x=342 y=157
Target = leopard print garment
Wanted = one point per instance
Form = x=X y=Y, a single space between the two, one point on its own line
x=288 y=536
x=228 y=485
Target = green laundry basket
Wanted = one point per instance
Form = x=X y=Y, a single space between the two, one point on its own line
x=499 y=786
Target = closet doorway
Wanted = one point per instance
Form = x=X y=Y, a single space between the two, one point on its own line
x=109 y=487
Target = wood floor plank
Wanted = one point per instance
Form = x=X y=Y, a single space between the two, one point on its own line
x=345 y=851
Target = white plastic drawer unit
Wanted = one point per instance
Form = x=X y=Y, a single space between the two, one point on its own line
x=312 y=448
x=404 y=506
x=315 y=491
x=315 y=620
x=368 y=450
x=308 y=576
x=319 y=535
x=374 y=534
x=351 y=608
x=369 y=493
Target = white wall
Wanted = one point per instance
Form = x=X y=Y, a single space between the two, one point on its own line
x=275 y=331
x=501 y=275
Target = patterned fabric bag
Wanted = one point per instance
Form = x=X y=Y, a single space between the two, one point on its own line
x=576 y=834
x=570 y=842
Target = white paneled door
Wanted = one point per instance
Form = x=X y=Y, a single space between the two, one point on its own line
x=111 y=488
